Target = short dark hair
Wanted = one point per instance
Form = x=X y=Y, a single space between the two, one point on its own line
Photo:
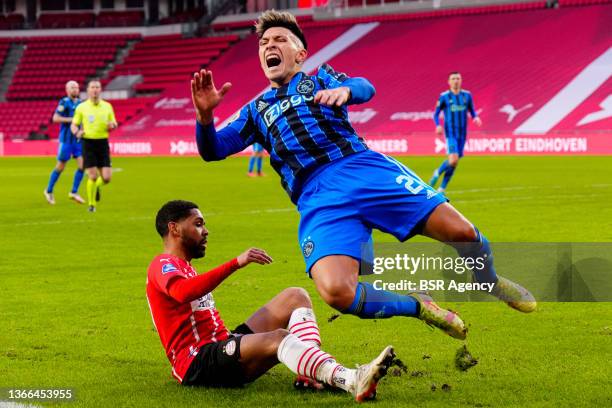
x=172 y=211
x=94 y=80
x=273 y=18
x=454 y=73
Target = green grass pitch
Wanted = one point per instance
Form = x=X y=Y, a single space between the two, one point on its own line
x=74 y=312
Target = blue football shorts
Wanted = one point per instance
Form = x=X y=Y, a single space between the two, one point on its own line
x=70 y=149
x=455 y=143
x=341 y=204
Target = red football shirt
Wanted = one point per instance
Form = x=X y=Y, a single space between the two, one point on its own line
x=183 y=327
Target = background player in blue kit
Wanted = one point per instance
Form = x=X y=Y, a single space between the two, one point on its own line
x=256 y=160
x=341 y=188
x=455 y=103
x=69 y=144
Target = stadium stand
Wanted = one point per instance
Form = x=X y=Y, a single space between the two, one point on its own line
x=507 y=53
x=11 y=22
x=164 y=60
x=48 y=62
x=509 y=56
x=184 y=17
x=65 y=20
x=4 y=47
x=120 y=18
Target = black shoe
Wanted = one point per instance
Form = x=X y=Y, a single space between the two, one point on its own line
x=91 y=208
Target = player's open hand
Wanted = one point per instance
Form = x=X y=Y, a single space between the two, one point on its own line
x=205 y=95
x=111 y=126
x=333 y=97
x=254 y=255
x=439 y=129
x=477 y=121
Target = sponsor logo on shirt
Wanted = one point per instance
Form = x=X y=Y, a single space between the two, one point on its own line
x=276 y=110
x=204 y=303
x=167 y=268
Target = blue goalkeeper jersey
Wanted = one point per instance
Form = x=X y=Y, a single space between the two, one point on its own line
x=66 y=108
x=455 y=108
x=299 y=134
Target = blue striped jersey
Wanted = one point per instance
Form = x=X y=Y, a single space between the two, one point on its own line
x=66 y=108
x=455 y=108
x=300 y=135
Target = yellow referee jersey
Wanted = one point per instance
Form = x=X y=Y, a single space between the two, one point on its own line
x=94 y=118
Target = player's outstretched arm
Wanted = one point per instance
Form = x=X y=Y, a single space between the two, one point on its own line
x=253 y=255
x=186 y=290
x=205 y=95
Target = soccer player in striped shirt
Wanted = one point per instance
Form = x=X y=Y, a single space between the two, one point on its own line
x=455 y=103
x=341 y=188
x=202 y=351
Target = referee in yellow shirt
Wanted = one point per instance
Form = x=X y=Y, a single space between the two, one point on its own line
x=97 y=118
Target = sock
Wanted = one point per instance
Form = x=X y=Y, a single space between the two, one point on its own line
x=342 y=377
x=91 y=192
x=259 y=162
x=312 y=362
x=251 y=163
x=479 y=249
x=52 y=180
x=447 y=176
x=443 y=167
x=76 y=182
x=370 y=303
x=99 y=182
x=303 y=324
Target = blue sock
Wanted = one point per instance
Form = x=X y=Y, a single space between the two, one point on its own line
x=259 y=162
x=370 y=303
x=443 y=167
x=76 y=182
x=447 y=176
x=251 y=163
x=479 y=249
x=439 y=171
x=52 y=180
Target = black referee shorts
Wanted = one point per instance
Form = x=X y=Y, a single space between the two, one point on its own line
x=218 y=364
x=96 y=153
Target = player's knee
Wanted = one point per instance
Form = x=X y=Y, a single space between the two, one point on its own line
x=106 y=179
x=277 y=337
x=453 y=161
x=297 y=297
x=338 y=296
x=463 y=232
